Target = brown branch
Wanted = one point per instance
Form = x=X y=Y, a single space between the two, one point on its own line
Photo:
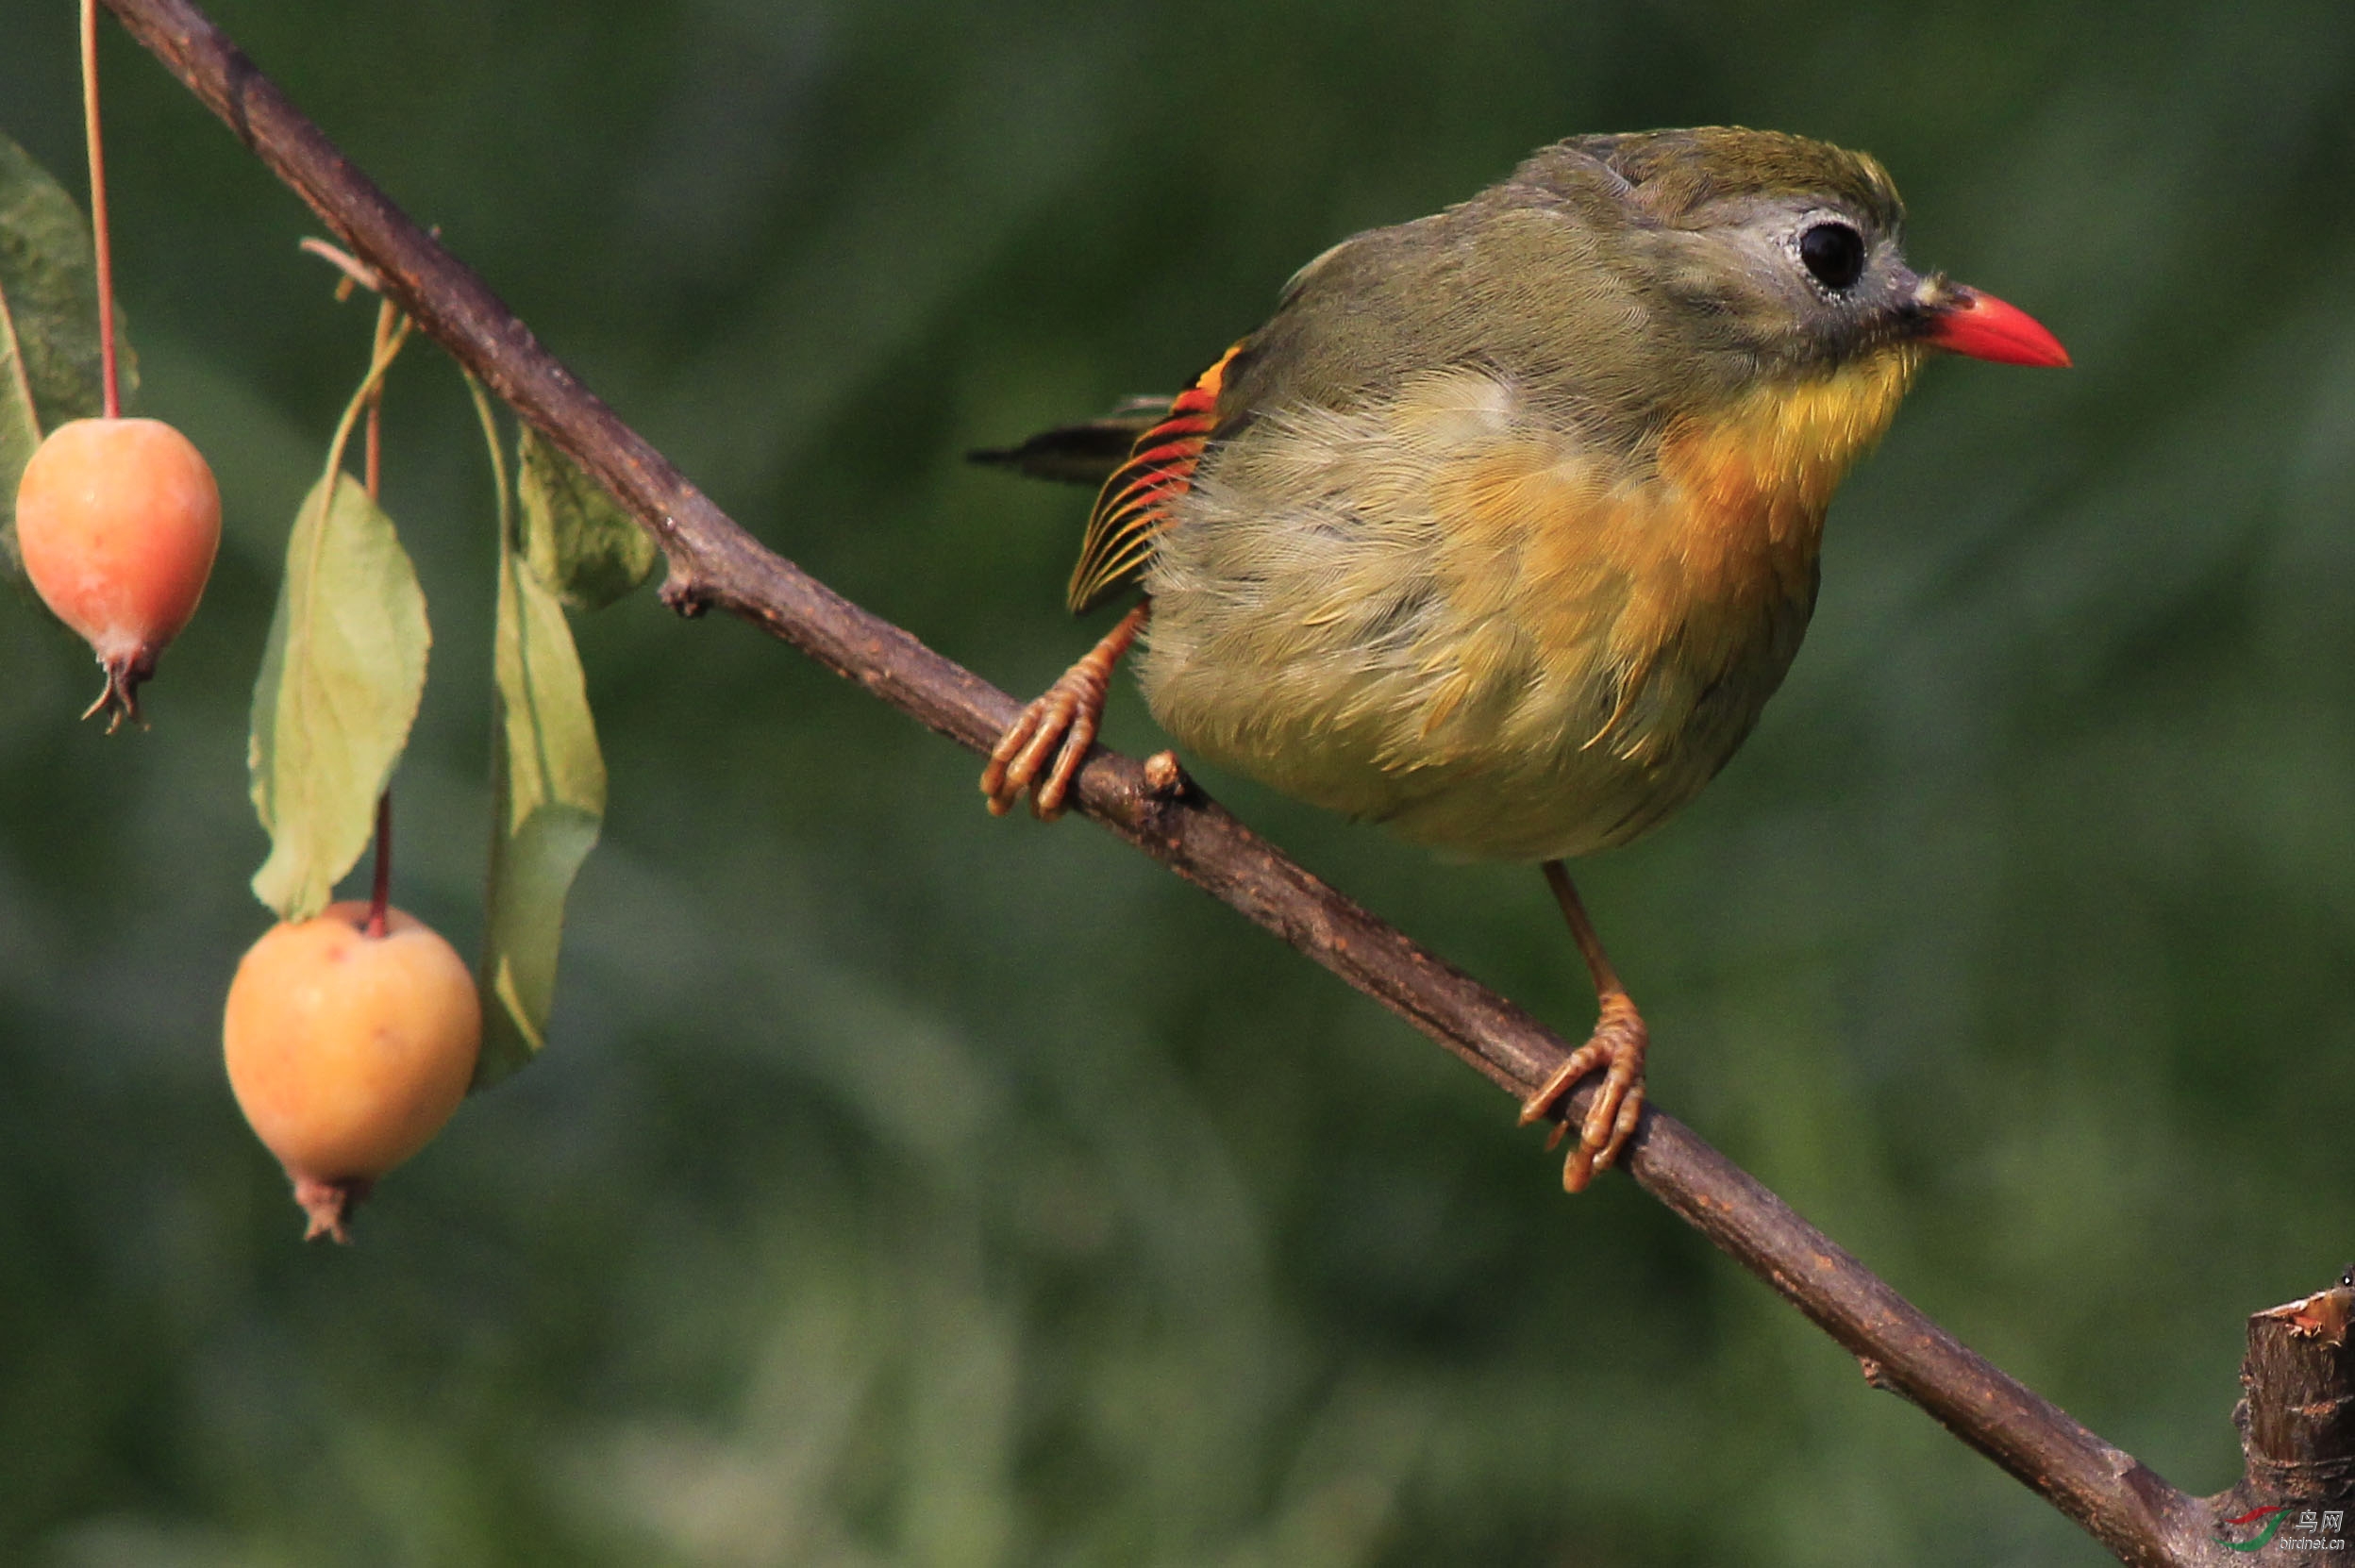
x=2297 y=1431
x=713 y=562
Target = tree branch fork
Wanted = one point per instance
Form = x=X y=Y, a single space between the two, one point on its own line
x=2298 y=1417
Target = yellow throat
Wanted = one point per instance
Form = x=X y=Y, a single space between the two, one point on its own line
x=1760 y=474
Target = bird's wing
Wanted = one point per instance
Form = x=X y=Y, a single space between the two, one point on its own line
x=1132 y=509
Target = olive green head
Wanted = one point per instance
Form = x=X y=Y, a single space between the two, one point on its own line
x=1687 y=176
x=1762 y=252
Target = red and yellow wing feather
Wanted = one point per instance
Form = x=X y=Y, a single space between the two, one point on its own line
x=1132 y=509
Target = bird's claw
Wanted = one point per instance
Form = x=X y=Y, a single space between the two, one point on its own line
x=1618 y=1045
x=1060 y=724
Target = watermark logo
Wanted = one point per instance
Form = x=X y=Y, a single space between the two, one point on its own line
x=2313 y=1531
x=2272 y=1518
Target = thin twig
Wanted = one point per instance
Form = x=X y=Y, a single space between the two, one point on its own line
x=356 y=274
x=714 y=563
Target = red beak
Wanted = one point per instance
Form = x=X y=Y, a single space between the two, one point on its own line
x=1984 y=327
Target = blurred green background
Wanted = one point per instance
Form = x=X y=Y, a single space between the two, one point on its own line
x=907 y=1187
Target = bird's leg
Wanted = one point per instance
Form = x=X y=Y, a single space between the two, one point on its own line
x=1060 y=724
x=1617 y=1044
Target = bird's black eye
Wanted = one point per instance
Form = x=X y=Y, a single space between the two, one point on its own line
x=1834 y=254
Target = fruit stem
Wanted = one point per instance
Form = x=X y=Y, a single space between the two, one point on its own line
x=380 y=895
x=380 y=892
x=102 y=243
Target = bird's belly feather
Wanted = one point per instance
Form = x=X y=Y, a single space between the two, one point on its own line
x=1554 y=668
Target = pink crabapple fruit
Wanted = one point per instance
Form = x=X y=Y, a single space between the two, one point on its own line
x=118 y=520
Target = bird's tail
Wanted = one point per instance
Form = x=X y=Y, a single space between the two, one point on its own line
x=1080 y=454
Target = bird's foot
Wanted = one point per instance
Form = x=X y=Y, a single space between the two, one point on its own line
x=1046 y=745
x=1618 y=1045
x=1055 y=731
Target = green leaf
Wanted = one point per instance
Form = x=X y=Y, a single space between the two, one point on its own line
x=580 y=540
x=20 y=435
x=547 y=780
x=548 y=784
x=49 y=280
x=340 y=679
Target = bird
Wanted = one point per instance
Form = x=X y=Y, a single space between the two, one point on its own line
x=1504 y=526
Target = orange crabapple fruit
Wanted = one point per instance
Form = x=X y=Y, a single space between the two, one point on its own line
x=118 y=520
x=348 y=1051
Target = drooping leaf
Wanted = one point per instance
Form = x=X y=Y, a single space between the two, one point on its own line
x=20 y=434
x=340 y=679
x=548 y=783
x=341 y=674
x=586 y=547
x=49 y=278
x=549 y=807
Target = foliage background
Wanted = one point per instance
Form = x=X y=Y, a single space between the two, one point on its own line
x=906 y=1187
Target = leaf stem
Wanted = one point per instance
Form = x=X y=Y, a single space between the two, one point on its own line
x=102 y=240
